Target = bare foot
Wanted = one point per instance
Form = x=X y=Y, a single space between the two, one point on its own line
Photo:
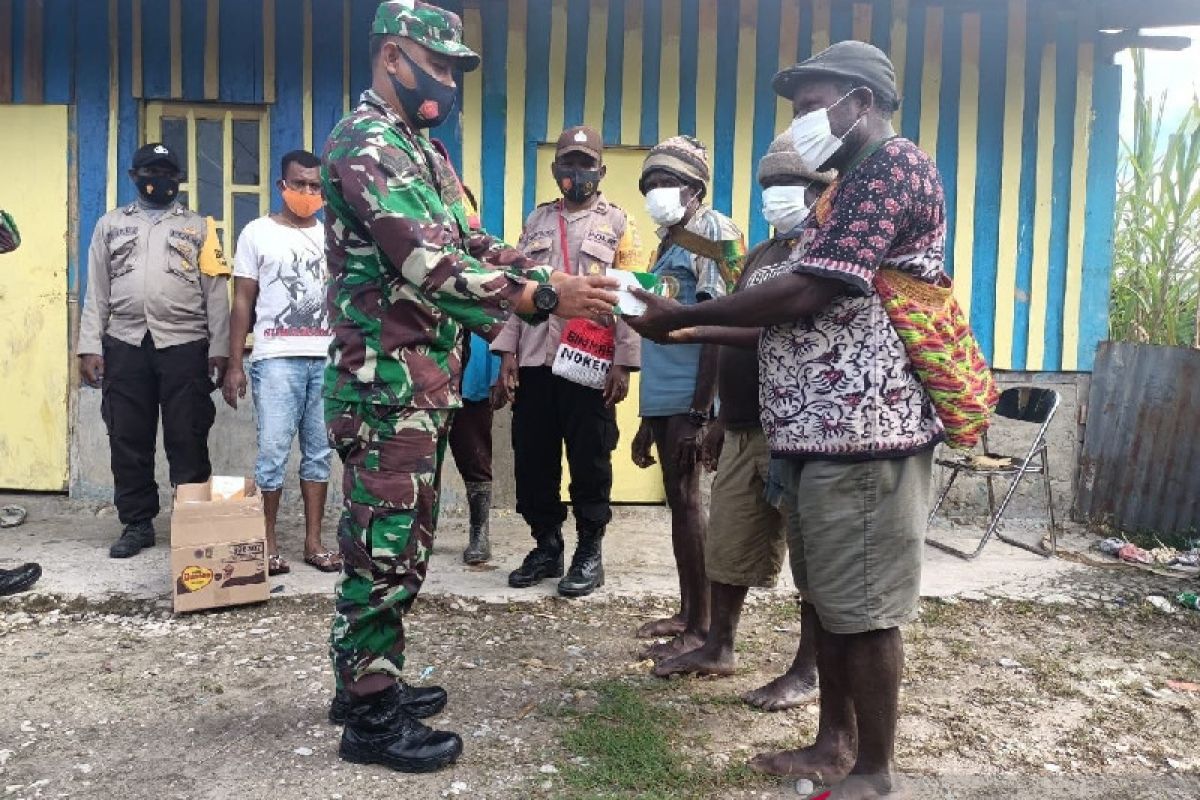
x=867 y=787
x=786 y=691
x=681 y=644
x=826 y=765
x=667 y=626
x=701 y=661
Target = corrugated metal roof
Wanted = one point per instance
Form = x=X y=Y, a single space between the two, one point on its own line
x=1141 y=456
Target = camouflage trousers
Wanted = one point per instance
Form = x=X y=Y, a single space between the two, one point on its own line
x=392 y=463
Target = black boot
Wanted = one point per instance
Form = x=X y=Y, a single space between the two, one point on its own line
x=543 y=561
x=379 y=731
x=19 y=579
x=587 y=567
x=419 y=701
x=136 y=537
x=479 y=499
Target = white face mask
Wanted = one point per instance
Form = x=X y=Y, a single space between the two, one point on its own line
x=784 y=208
x=813 y=138
x=665 y=205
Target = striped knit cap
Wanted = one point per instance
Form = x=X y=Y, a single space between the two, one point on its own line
x=682 y=156
x=782 y=161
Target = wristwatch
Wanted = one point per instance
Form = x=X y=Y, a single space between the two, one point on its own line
x=697 y=418
x=545 y=300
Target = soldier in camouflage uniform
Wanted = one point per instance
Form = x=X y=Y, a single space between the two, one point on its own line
x=407 y=276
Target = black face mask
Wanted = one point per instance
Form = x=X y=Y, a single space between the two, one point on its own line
x=577 y=184
x=428 y=105
x=158 y=190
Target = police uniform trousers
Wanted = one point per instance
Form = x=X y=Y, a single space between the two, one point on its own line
x=392 y=459
x=549 y=411
x=138 y=383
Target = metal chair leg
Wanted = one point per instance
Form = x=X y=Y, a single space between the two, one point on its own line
x=994 y=527
x=941 y=497
x=991 y=497
x=1050 y=505
x=954 y=551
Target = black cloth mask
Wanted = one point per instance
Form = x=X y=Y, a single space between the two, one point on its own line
x=430 y=103
x=158 y=190
x=577 y=184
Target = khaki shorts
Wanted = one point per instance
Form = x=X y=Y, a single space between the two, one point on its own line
x=745 y=544
x=856 y=531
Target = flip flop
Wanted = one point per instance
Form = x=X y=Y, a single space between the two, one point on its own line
x=329 y=561
x=277 y=566
x=11 y=516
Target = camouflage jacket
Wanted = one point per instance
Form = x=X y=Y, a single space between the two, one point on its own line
x=407 y=273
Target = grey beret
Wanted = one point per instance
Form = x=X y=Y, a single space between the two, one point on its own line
x=858 y=62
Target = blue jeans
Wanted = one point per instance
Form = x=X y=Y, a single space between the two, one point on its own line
x=287 y=400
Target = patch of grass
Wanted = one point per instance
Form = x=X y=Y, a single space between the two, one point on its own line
x=782 y=612
x=740 y=776
x=626 y=742
x=718 y=699
x=629 y=746
x=962 y=649
x=1053 y=678
x=939 y=612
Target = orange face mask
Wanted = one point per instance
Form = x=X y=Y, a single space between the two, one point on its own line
x=302 y=204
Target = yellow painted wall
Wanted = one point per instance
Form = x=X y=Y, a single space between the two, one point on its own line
x=33 y=299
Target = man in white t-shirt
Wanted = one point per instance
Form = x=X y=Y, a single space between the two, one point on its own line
x=279 y=279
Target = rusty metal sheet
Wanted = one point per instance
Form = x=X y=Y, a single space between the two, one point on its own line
x=1140 y=468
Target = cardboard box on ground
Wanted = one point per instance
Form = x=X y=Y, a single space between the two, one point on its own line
x=218 y=545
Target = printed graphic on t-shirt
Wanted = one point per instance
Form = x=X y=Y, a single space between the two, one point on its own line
x=303 y=312
x=289 y=265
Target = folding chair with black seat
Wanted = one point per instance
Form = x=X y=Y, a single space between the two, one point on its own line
x=1025 y=404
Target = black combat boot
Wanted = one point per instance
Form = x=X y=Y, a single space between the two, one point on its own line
x=19 y=579
x=419 y=701
x=379 y=731
x=136 y=537
x=479 y=500
x=543 y=561
x=587 y=568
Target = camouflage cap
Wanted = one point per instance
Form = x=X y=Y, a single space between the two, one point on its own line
x=427 y=25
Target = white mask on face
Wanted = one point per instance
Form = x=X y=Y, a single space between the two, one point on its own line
x=813 y=138
x=665 y=205
x=784 y=208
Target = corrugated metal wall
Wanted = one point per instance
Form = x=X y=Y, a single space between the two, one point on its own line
x=1008 y=96
x=1140 y=468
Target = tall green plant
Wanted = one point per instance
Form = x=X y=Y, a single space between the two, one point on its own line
x=1156 y=248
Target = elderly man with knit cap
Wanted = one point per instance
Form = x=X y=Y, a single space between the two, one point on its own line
x=746 y=543
x=698 y=259
x=850 y=426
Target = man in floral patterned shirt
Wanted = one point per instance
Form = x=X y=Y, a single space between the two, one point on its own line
x=850 y=426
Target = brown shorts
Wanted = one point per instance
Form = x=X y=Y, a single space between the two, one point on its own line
x=745 y=544
x=856 y=534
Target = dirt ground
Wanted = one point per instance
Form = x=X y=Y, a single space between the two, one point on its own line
x=1027 y=677
x=1063 y=697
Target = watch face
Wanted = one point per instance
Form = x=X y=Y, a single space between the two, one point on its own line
x=545 y=298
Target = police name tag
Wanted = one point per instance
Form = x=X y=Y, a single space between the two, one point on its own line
x=585 y=353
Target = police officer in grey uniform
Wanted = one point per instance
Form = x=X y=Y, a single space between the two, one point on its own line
x=154 y=336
